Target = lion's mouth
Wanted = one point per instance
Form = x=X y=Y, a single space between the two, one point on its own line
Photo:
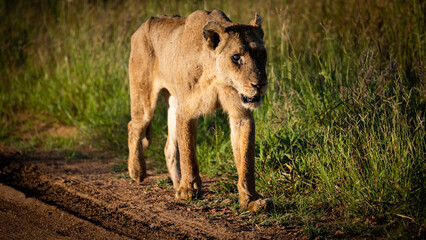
x=254 y=99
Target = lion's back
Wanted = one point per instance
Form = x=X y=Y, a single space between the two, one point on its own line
x=157 y=30
x=167 y=33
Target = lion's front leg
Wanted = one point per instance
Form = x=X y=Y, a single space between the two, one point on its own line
x=243 y=143
x=190 y=183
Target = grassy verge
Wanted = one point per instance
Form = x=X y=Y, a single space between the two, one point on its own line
x=342 y=131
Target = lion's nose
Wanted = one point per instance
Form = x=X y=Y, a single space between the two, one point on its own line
x=258 y=86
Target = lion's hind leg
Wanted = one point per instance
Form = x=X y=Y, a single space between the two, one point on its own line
x=139 y=130
x=144 y=91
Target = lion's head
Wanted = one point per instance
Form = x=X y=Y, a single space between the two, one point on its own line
x=240 y=57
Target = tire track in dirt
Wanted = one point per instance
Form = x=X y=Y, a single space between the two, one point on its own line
x=24 y=217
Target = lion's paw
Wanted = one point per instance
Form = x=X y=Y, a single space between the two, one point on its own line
x=259 y=204
x=188 y=192
x=137 y=174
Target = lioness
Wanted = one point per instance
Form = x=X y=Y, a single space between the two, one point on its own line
x=200 y=63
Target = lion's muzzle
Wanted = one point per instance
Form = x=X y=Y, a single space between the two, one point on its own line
x=254 y=99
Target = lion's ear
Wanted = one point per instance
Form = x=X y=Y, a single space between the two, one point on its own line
x=212 y=32
x=256 y=21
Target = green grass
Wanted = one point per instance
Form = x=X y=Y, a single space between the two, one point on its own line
x=164 y=183
x=341 y=132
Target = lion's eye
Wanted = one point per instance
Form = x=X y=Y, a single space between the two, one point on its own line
x=235 y=58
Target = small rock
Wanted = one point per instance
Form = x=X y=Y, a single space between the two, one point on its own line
x=152 y=225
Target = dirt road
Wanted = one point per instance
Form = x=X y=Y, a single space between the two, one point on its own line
x=47 y=196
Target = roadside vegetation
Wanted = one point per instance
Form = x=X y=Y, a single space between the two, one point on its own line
x=341 y=138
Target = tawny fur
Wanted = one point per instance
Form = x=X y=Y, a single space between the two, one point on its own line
x=190 y=60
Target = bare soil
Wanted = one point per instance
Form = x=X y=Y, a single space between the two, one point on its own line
x=46 y=195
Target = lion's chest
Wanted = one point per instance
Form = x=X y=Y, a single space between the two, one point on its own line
x=196 y=103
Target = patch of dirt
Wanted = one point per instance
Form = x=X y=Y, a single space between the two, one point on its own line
x=25 y=126
x=46 y=195
x=62 y=131
x=6 y=149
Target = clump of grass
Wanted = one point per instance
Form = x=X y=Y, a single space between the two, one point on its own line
x=351 y=131
x=341 y=131
x=119 y=167
x=164 y=183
